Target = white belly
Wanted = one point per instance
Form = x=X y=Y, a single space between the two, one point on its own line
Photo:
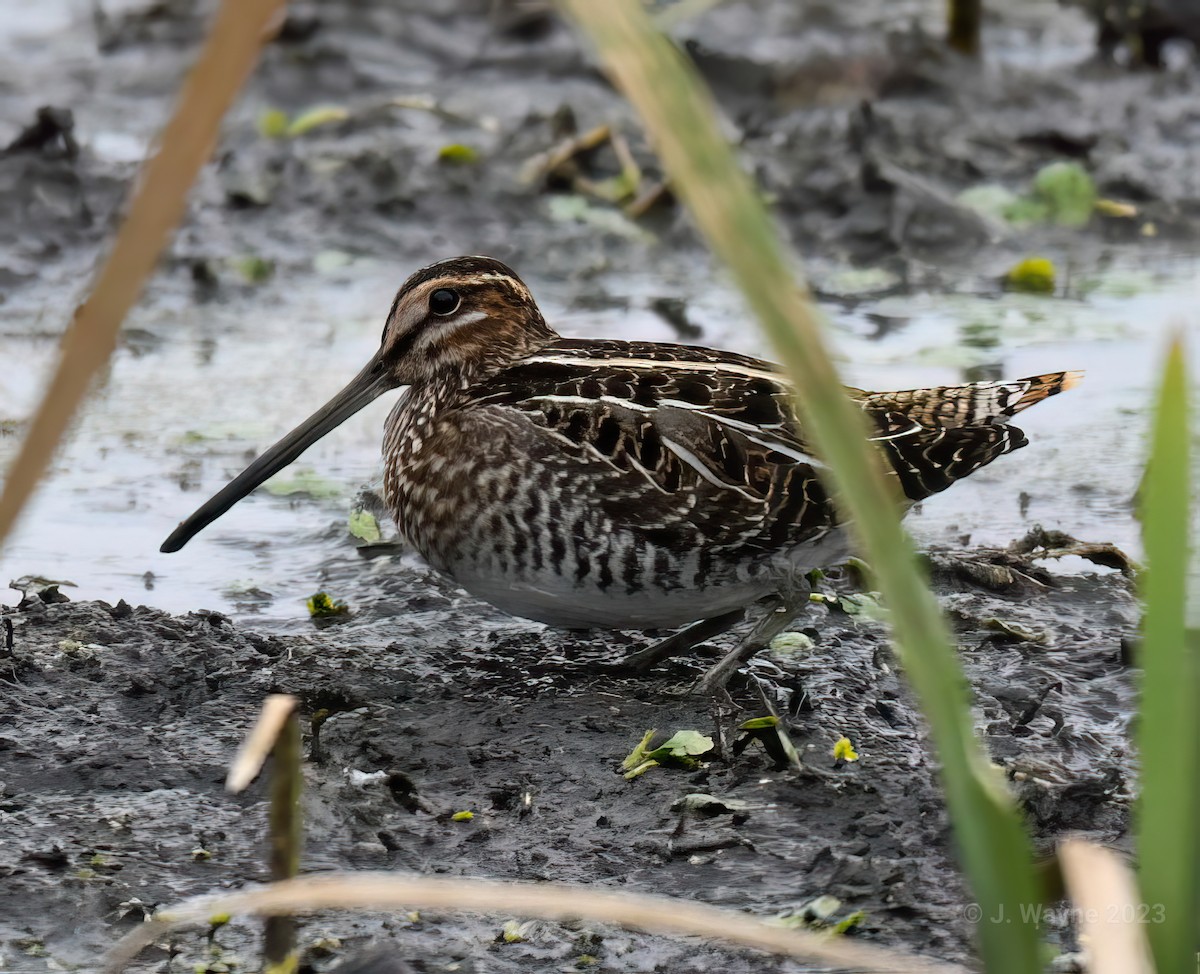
x=559 y=601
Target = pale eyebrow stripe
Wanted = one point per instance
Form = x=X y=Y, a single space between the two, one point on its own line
x=465 y=280
x=452 y=323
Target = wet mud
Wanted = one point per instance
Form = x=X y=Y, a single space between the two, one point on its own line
x=120 y=723
x=118 y=720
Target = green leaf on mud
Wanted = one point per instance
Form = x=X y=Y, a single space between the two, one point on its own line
x=684 y=743
x=305 y=482
x=616 y=189
x=1025 y=212
x=816 y=913
x=771 y=733
x=865 y=605
x=701 y=804
x=1015 y=632
x=1062 y=193
x=857 y=605
x=821 y=909
x=255 y=269
x=791 y=643
x=1003 y=205
x=638 y=754
x=273 y=123
x=850 y=922
x=572 y=207
x=322 y=606
x=679 y=750
x=843 y=750
x=989 y=199
x=457 y=154
x=1033 y=275
x=465 y=816
x=314 y=118
x=363 y=526
x=1068 y=191
x=856 y=282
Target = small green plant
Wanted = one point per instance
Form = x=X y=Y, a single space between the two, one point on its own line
x=457 y=154
x=322 y=605
x=1033 y=275
x=681 y=750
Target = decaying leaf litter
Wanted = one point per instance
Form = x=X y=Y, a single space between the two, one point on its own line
x=112 y=802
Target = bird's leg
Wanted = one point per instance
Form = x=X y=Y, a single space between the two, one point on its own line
x=782 y=610
x=682 y=641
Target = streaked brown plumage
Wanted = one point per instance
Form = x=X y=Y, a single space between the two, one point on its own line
x=616 y=484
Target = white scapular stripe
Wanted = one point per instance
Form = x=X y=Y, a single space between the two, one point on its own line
x=671 y=365
x=746 y=429
x=585 y=401
x=750 y=431
x=693 y=461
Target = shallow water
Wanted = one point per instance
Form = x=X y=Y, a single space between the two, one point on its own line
x=194 y=391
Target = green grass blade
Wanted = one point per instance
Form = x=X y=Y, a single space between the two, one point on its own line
x=680 y=118
x=1169 y=732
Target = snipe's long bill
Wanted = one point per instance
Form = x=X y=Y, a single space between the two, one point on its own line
x=592 y=483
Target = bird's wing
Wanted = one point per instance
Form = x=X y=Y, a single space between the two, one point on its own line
x=710 y=442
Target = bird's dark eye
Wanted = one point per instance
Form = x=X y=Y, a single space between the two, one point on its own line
x=443 y=301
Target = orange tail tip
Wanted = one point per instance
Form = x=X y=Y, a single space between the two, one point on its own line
x=1071 y=379
x=973 y=404
x=1043 y=386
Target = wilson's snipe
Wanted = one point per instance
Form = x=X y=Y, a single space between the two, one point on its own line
x=588 y=483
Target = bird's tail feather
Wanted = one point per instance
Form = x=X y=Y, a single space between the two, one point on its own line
x=975 y=404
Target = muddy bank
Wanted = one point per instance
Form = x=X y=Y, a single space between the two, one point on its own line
x=860 y=127
x=119 y=723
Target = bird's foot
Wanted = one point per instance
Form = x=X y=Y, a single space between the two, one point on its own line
x=781 y=611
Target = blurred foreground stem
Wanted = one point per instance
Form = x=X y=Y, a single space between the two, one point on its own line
x=681 y=119
x=286 y=828
x=276 y=733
